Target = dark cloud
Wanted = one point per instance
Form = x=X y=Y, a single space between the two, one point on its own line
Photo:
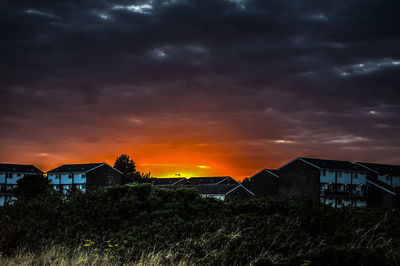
x=275 y=78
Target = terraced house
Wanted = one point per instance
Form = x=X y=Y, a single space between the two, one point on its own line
x=383 y=182
x=336 y=183
x=9 y=175
x=83 y=176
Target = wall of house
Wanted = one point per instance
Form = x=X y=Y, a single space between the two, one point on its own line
x=264 y=184
x=298 y=180
x=327 y=176
x=396 y=181
x=14 y=177
x=380 y=197
x=66 y=178
x=79 y=178
x=102 y=176
x=215 y=196
x=2 y=178
x=53 y=178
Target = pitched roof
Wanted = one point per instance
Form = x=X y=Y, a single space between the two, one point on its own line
x=222 y=189
x=208 y=180
x=72 y=168
x=329 y=164
x=19 y=168
x=384 y=169
x=168 y=181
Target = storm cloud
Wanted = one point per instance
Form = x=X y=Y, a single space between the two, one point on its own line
x=258 y=81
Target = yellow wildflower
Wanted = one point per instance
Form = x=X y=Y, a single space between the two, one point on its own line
x=116 y=245
x=110 y=246
x=87 y=245
x=96 y=249
x=106 y=249
x=108 y=241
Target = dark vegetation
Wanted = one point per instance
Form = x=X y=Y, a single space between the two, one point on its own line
x=128 y=168
x=141 y=219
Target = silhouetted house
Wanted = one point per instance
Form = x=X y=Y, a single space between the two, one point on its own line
x=170 y=181
x=336 y=183
x=223 y=191
x=83 y=176
x=265 y=183
x=9 y=175
x=383 y=182
x=218 y=180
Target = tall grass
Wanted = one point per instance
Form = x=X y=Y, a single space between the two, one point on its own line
x=64 y=256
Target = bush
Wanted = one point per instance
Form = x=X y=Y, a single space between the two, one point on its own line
x=142 y=220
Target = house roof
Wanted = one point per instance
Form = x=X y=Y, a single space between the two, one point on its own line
x=168 y=181
x=222 y=189
x=208 y=180
x=73 y=168
x=325 y=164
x=382 y=185
x=273 y=172
x=384 y=169
x=19 y=168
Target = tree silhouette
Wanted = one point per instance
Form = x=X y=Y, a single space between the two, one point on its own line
x=31 y=186
x=125 y=164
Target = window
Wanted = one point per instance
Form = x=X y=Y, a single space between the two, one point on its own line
x=83 y=176
x=339 y=173
x=355 y=176
x=69 y=176
x=324 y=172
x=339 y=201
x=387 y=177
x=19 y=175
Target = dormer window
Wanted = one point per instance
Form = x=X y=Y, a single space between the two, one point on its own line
x=323 y=172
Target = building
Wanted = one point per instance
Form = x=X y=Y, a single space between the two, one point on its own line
x=336 y=183
x=209 y=180
x=265 y=183
x=171 y=181
x=223 y=191
x=383 y=182
x=9 y=175
x=83 y=176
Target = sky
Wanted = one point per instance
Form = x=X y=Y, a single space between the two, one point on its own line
x=202 y=87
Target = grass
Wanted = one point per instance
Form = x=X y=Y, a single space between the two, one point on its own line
x=63 y=256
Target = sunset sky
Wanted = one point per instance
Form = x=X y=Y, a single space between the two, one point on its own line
x=200 y=88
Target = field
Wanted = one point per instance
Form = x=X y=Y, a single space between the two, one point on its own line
x=138 y=225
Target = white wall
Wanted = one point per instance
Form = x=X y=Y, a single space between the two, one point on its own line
x=53 y=178
x=65 y=179
x=396 y=181
x=360 y=178
x=344 y=177
x=384 y=179
x=80 y=178
x=15 y=177
x=329 y=176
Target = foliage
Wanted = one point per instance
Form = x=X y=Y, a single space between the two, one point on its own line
x=128 y=168
x=141 y=220
x=125 y=164
x=31 y=186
